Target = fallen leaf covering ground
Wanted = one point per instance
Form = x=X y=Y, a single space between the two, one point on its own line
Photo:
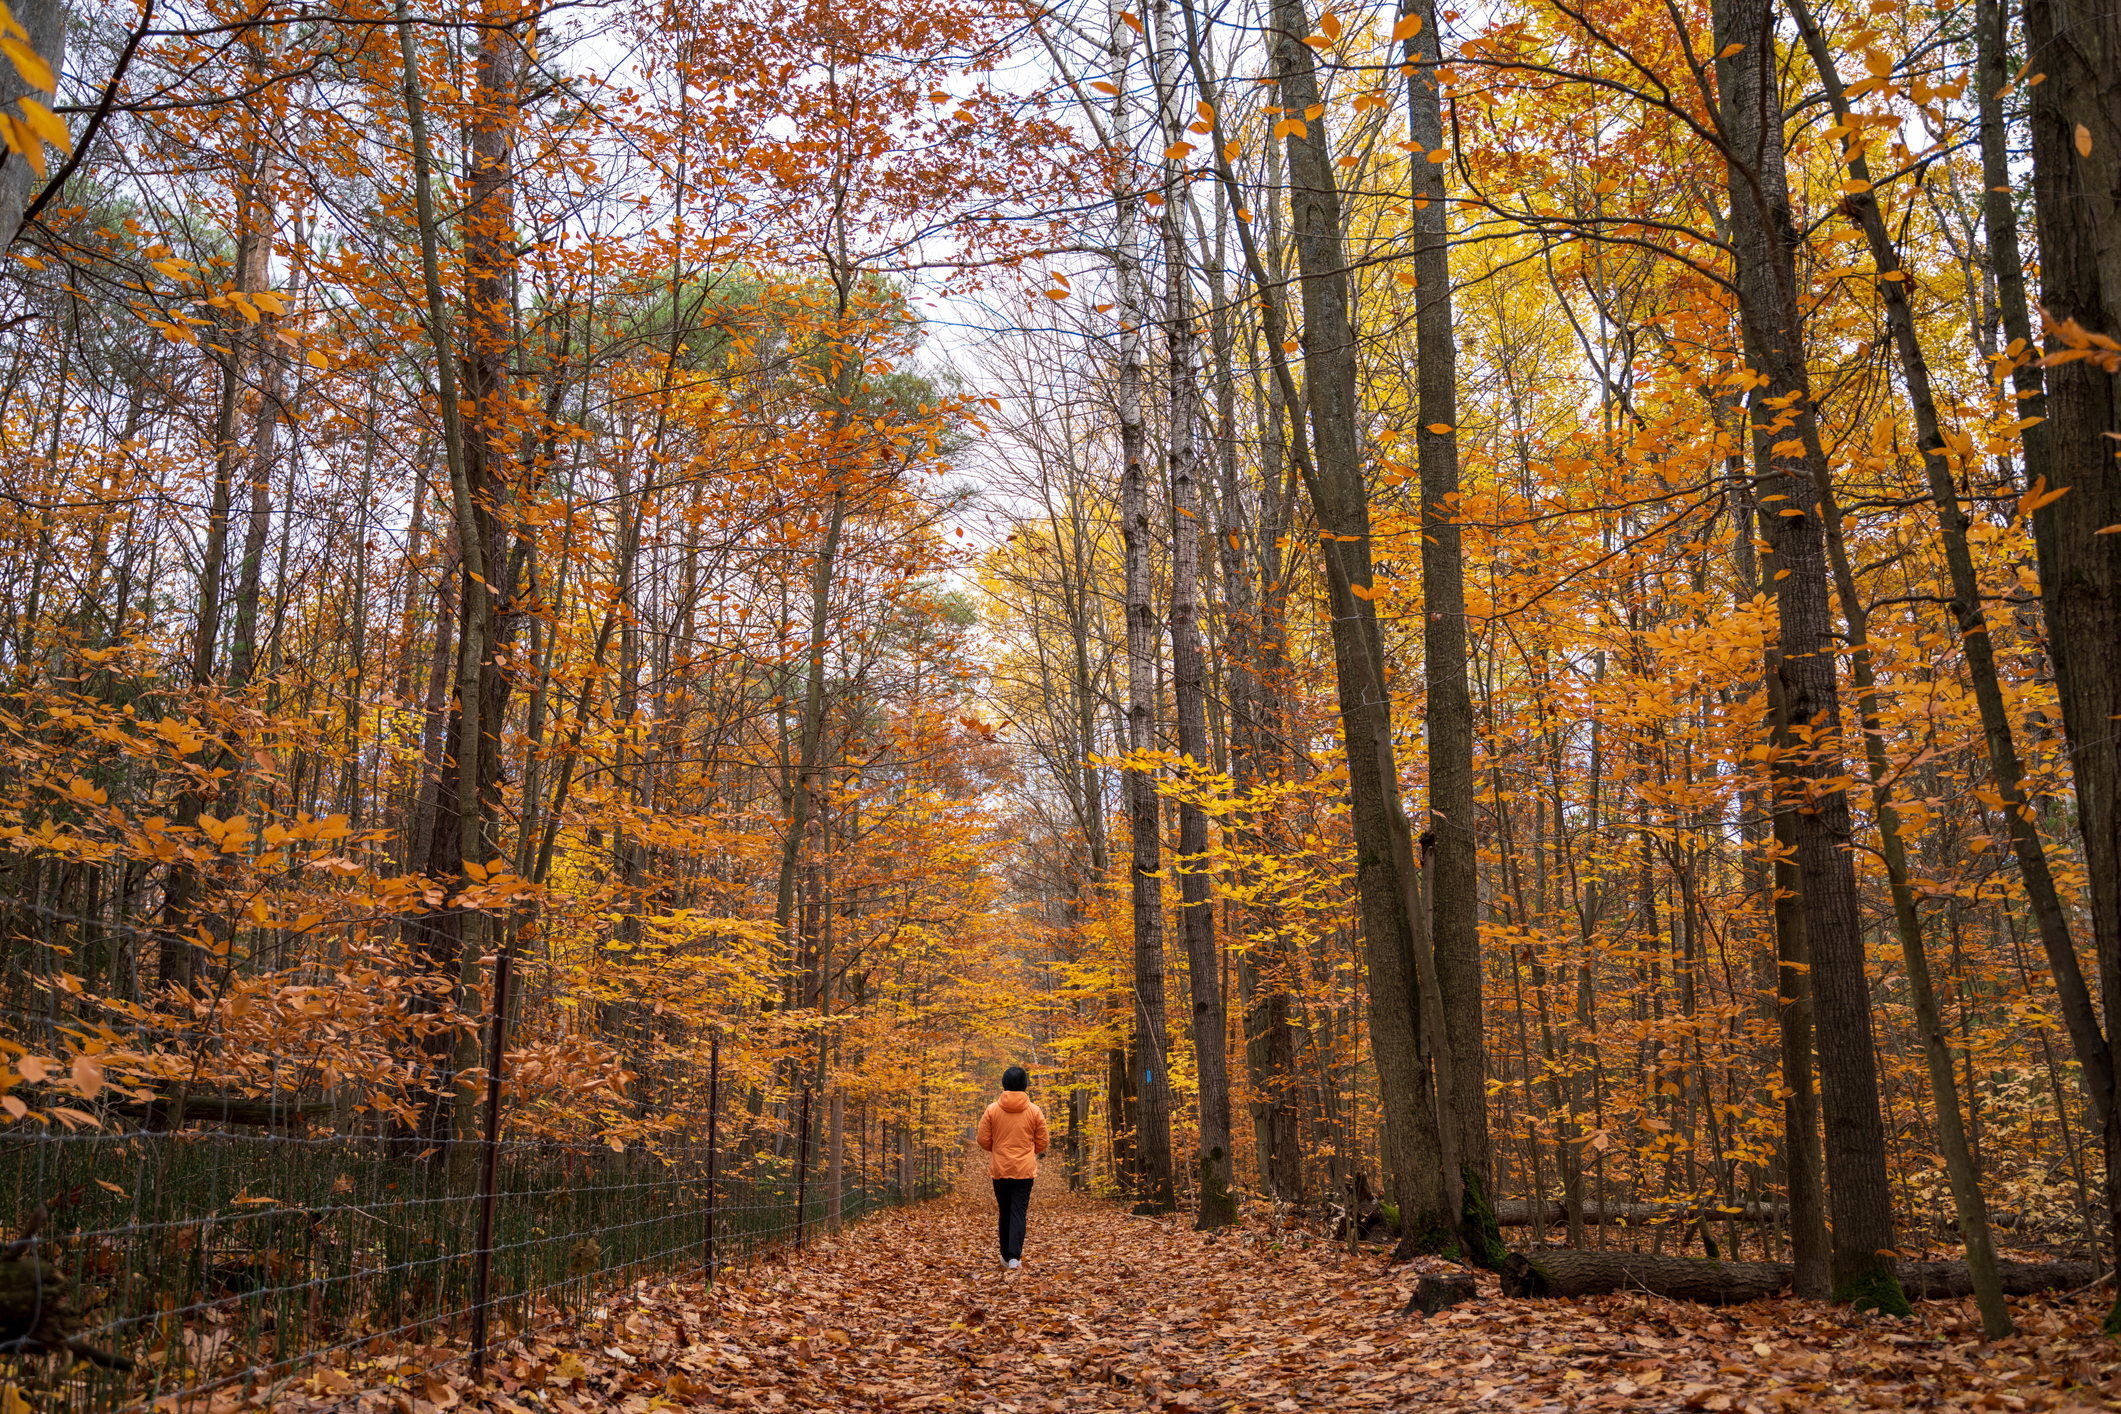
x=910 y=1311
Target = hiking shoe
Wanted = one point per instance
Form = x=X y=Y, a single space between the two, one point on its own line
x=1014 y=1264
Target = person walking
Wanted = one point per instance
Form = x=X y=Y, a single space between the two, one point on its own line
x=1013 y=1132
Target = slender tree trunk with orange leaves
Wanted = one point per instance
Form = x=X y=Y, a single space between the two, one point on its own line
x=1760 y=220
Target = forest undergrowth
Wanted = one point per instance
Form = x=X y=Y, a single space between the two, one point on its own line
x=909 y=1311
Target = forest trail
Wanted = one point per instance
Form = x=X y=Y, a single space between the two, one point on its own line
x=909 y=1311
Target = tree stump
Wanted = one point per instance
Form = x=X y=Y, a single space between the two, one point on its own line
x=37 y=1316
x=1432 y=1294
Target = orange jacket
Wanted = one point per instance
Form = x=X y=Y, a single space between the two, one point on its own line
x=1013 y=1130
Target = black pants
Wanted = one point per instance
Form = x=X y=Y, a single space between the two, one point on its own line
x=1013 y=1197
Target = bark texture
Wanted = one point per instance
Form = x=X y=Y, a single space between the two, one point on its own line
x=1454 y=896
x=2076 y=132
x=1789 y=493
x=1151 y=1083
x=1218 y=1205
x=1949 y=1281
x=1518 y=1212
x=44 y=21
x=1421 y=1173
x=1253 y=614
x=1964 y=1177
x=1566 y=1272
x=1793 y=1006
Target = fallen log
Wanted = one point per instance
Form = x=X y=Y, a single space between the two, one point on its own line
x=263 y=1113
x=1942 y=1281
x=2060 y=1221
x=1517 y=1212
x=1563 y=1271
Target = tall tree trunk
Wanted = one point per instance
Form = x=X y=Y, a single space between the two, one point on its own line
x=456 y=935
x=178 y=951
x=425 y=808
x=417 y=551
x=264 y=444
x=489 y=236
x=1121 y=1119
x=1962 y=1175
x=1218 y=1205
x=44 y=24
x=1761 y=238
x=1454 y=923
x=357 y=667
x=1148 y=1062
x=1999 y=214
x=253 y=274
x=1792 y=995
x=811 y=728
x=1079 y=591
x=1419 y=1146
x=1253 y=614
x=2076 y=121
x=1995 y=720
x=1151 y=1079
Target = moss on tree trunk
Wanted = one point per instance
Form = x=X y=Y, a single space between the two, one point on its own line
x=1875 y=1288
x=1477 y=1228
x=1429 y=1230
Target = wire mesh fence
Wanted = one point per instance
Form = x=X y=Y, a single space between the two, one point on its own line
x=211 y=1194
x=200 y=1268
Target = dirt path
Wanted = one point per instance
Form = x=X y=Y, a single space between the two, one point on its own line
x=910 y=1311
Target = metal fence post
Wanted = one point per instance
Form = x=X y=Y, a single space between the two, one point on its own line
x=714 y=1098
x=802 y=1167
x=482 y=1261
x=835 y=1155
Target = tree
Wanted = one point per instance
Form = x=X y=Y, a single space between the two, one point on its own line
x=1454 y=898
x=2076 y=124
x=1791 y=481
x=1218 y=1206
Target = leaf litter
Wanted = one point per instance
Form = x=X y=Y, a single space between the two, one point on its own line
x=909 y=1310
